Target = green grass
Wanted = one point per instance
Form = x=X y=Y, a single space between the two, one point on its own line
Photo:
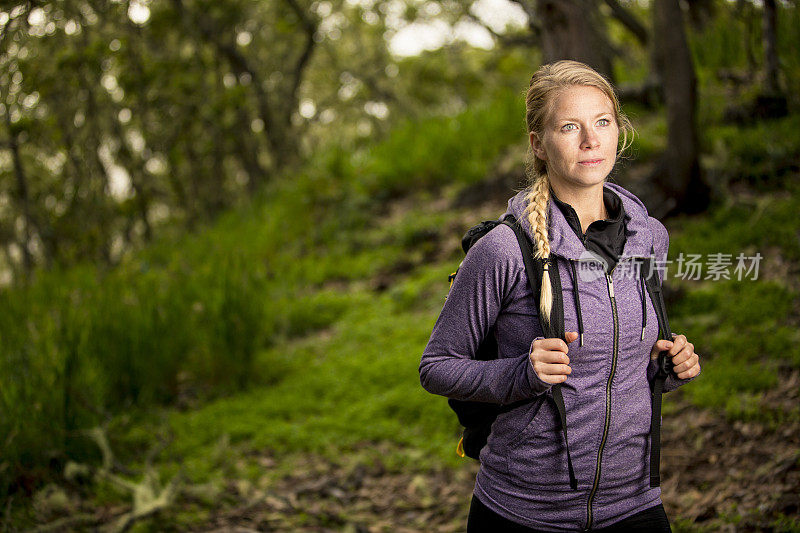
x=442 y=150
x=195 y=312
x=745 y=330
x=353 y=383
x=267 y=332
x=759 y=154
x=356 y=383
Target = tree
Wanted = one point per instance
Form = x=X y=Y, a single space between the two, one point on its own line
x=771 y=83
x=677 y=176
x=572 y=29
x=114 y=127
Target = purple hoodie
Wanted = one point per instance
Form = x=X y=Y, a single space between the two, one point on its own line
x=523 y=474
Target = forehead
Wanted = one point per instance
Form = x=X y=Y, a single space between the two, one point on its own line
x=580 y=101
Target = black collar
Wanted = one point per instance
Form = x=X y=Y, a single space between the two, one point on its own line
x=613 y=206
x=606 y=238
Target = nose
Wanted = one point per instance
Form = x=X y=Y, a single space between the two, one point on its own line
x=590 y=139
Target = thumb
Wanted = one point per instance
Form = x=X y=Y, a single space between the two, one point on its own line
x=660 y=346
x=571 y=336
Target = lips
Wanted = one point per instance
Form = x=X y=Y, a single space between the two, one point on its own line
x=591 y=162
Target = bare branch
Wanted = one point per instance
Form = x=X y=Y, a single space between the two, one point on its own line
x=506 y=40
x=310 y=29
x=149 y=496
x=629 y=20
x=241 y=65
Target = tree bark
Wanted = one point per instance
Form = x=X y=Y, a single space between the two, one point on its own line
x=22 y=199
x=677 y=177
x=771 y=82
x=274 y=111
x=745 y=10
x=629 y=20
x=570 y=31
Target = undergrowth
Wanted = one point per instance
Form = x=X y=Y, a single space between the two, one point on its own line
x=266 y=333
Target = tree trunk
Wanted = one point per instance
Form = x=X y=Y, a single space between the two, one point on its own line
x=772 y=102
x=275 y=111
x=629 y=20
x=745 y=10
x=570 y=31
x=247 y=152
x=677 y=177
x=22 y=199
x=771 y=83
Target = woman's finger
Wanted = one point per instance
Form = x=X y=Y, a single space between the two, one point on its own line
x=682 y=356
x=552 y=378
x=689 y=363
x=552 y=344
x=551 y=357
x=553 y=370
x=689 y=373
x=678 y=342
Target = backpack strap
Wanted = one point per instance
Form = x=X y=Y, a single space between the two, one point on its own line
x=653 y=285
x=535 y=270
x=554 y=328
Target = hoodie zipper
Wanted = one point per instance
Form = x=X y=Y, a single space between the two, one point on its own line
x=592 y=493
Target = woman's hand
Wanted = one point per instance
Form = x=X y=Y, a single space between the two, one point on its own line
x=686 y=362
x=549 y=358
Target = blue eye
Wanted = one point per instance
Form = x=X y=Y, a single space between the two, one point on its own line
x=564 y=127
x=607 y=122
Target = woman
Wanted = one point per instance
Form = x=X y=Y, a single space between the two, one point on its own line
x=570 y=212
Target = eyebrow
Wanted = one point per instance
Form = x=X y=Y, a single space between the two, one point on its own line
x=597 y=116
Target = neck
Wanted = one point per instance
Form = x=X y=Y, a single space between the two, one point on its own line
x=586 y=201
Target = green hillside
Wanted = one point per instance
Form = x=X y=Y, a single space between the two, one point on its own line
x=292 y=328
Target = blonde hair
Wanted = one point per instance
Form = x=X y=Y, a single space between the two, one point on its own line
x=545 y=85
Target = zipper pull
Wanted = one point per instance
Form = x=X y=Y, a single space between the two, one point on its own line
x=610 y=285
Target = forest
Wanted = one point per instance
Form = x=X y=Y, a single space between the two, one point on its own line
x=226 y=230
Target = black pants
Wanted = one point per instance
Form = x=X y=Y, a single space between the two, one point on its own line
x=484 y=520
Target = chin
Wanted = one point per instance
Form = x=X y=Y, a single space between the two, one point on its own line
x=586 y=177
x=595 y=178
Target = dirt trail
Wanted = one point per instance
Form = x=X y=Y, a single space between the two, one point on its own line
x=747 y=473
x=718 y=476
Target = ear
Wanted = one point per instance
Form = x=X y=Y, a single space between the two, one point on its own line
x=537 y=146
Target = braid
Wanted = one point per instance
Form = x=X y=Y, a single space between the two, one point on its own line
x=536 y=211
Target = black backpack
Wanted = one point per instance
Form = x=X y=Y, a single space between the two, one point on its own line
x=477 y=417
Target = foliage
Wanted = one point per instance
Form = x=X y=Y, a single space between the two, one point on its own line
x=745 y=329
x=731 y=41
x=119 y=127
x=761 y=154
x=294 y=322
x=167 y=327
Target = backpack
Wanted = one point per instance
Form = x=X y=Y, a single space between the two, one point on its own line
x=477 y=417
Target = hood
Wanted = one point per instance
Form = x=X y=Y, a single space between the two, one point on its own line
x=564 y=242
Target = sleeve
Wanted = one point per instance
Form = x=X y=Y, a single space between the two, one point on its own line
x=448 y=367
x=661 y=247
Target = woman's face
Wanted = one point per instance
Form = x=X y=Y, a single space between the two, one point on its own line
x=579 y=141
